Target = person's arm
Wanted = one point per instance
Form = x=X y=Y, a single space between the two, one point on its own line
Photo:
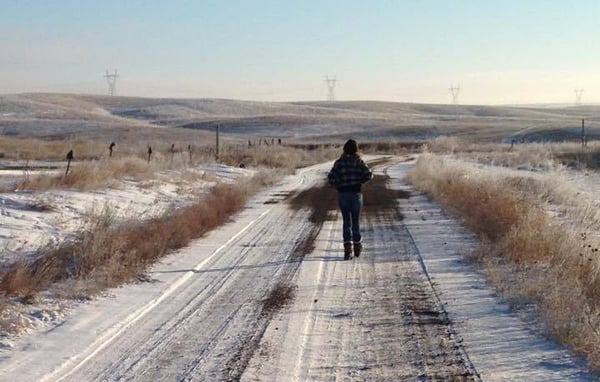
x=367 y=174
x=333 y=175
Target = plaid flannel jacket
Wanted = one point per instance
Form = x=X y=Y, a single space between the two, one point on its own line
x=348 y=173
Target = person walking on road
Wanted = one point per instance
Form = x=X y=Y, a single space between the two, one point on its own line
x=347 y=175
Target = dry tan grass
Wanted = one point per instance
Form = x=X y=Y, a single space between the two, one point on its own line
x=493 y=214
x=542 y=156
x=37 y=149
x=447 y=145
x=4 y=311
x=277 y=156
x=392 y=147
x=12 y=320
x=520 y=156
x=553 y=264
x=109 y=253
x=106 y=171
x=578 y=157
x=56 y=150
x=90 y=175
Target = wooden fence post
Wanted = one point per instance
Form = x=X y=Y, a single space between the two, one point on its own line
x=69 y=159
x=217 y=145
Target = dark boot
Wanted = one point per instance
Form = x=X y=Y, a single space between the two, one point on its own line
x=347 y=251
x=357 y=249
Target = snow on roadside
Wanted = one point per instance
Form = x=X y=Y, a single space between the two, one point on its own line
x=572 y=195
x=500 y=344
x=66 y=339
x=30 y=220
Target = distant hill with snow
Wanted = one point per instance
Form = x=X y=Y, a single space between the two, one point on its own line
x=57 y=116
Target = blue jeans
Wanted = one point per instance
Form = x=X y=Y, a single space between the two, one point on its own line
x=350 y=204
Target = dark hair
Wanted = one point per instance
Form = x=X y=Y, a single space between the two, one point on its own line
x=351 y=147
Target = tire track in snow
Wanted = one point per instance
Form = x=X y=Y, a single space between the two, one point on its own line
x=238 y=322
x=310 y=320
x=220 y=296
x=110 y=335
x=471 y=372
x=163 y=336
x=256 y=324
x=251 y=341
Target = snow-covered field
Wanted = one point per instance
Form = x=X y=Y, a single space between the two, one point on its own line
x=408 y=308
x=30 y=220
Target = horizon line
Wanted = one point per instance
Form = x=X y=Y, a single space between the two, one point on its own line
x=525 y=104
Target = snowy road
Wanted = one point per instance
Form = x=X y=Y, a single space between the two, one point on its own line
x=408 y=309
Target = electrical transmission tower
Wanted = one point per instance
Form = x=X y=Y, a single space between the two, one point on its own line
x=454 y=90
x=578 y=93
x=330 y=88
x=111 y=79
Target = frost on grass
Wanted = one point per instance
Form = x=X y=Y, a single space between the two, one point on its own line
x=554 y=264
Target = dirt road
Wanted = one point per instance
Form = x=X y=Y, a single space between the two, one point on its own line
x=268 y=297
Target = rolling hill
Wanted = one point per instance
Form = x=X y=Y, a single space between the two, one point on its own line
x=56 y=116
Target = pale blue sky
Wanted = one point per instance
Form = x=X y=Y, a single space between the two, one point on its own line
x=504 y=51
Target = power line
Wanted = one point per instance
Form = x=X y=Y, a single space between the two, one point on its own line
x=330 y=88
x=111 y=79
x=578 y=94
x=454 y=90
